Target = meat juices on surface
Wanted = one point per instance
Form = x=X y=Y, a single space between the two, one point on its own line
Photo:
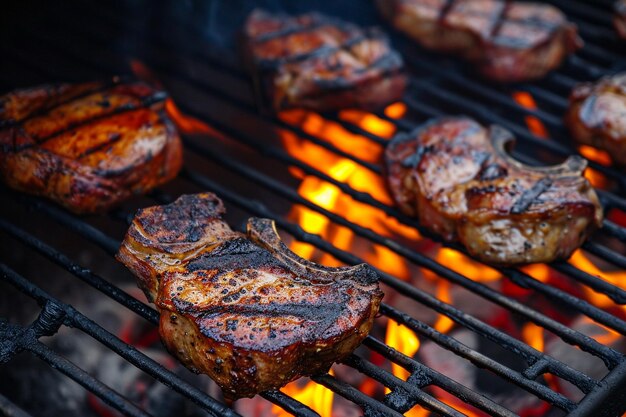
x=244 y=309
x=456 y=177
x=320 y=63
x=619 y=18
x=597 y=115
x=507 y=41
x=87 y=146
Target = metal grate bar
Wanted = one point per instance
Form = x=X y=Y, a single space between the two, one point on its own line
x=539 y=363
x=431 y=376
x=450 y=98
x=90 y=383
x=115 y=293
x=128 y=301
x=151 y=315
x=617 y=294
x=426 y=262
x=482 y=361
x=475 y=357
x=370 y=407
x=396 y=384
x=97 y=282
x=491 y=333
x=132 y=355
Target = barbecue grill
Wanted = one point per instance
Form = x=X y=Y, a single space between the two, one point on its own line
x=241 y=154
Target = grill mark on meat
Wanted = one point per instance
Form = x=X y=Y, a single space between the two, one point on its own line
x=60 y=146
x=413 y=160
x=495 y=38
x=113 y=137
x=234 y=255
x=445 y=9
x=44 y=111
x=473 y=191
x=597 y=115
x=322 y=312
x=529 y=196
x=499 y=20
x=354 y=64
x=316 y=23
x=291 y=319
x=321 y=52
x=492 y=172
x=145 y=102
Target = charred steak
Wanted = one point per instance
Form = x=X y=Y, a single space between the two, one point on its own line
x=597 y=115
x=619 y=18
x=457 y=178
x=315 y=62
x=87 y=146
x=507 y=41
x=244 y=309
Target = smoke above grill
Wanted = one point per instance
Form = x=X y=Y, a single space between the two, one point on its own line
x=454 y=337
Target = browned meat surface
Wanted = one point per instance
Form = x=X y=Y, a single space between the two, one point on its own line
x=312 y=61
x=507 y=41
x=619 y=18
x=597 y=115
x=456 y=177
x=87 y=146
x=243 y=308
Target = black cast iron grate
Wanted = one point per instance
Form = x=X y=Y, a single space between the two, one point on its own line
x=77 y=41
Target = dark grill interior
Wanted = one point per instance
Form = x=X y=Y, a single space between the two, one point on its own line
x=189 y=49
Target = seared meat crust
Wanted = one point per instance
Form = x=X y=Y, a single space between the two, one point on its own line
x=319 y=63
x=243 y=308
x=619 y=18
x=87 y=146
x=507 y=41
x=597 y=115
x=456 y=177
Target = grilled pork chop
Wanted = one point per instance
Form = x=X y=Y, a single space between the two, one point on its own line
x=244 y=309
x=456 y=177
x=597 y=115
x=619 y=18
x=87 y=146
x=507 y=41
x=315 y=62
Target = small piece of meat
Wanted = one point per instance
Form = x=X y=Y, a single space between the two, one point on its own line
x=244 y=309
x=507 y=41
x=456 y=177
x=597 y=115
x=315 y=62
x=87 y=146
x=619 y=18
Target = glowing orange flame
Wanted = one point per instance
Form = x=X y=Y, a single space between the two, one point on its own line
x=593 y=154
x=617 y=278
x=396 y=110
x=316 y=396
x=535 y=125
x=349 y=172
x=540 y=272
x=184 y=123
x=188 y=124
x=403 y=340
x=462 y=264
x=533 y=336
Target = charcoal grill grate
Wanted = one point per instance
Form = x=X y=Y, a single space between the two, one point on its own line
x=70 y=51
